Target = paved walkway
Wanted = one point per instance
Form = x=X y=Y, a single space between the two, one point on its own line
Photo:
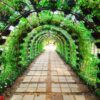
x=49 y=78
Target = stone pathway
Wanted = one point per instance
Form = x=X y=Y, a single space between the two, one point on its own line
x=49 y=78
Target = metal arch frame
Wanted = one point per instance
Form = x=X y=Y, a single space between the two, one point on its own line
x=39 y=10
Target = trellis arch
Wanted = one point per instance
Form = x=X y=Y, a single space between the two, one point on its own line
x=62 y=25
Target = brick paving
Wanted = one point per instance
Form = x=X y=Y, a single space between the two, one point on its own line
x=49 y=78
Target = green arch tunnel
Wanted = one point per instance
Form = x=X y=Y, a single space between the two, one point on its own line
x=73 y=42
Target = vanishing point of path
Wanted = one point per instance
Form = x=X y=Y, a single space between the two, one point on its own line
x=49 y=78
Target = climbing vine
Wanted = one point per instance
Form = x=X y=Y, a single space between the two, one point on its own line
x=15 y=50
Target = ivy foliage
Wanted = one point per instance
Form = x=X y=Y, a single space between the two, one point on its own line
x=15 y=50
